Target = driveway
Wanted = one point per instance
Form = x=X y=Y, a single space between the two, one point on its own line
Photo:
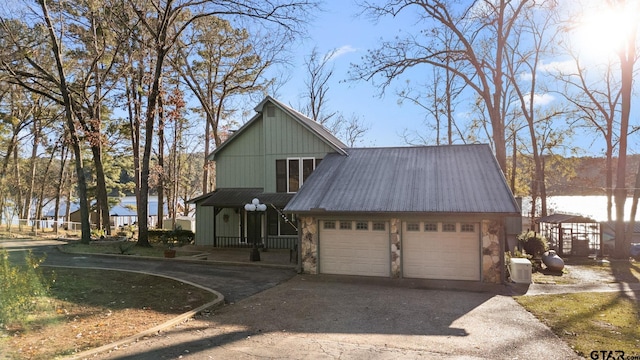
x=328 y=317
x=273 y=313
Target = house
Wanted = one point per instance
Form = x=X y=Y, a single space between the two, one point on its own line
x=434 y=212
x=268 y=158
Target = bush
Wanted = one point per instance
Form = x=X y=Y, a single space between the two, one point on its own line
x=533 y=243
x=177 y=237
x=21 y=287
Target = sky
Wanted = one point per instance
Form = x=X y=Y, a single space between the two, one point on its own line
x=339 y=27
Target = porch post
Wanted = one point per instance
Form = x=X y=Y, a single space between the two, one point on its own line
x=215 y=233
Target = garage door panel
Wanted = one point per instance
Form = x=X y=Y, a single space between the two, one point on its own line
x=354 y=252
x=442 y=255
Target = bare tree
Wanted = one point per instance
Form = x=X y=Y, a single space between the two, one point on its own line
x=165 y=21
x=481 y=31
x=319 y=71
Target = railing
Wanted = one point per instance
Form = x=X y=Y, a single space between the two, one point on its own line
x=273 y=242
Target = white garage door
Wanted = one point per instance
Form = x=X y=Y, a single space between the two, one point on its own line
x=354 y=248
x=441 y=250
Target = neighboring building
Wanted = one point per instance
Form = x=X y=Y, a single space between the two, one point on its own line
x=434 y=212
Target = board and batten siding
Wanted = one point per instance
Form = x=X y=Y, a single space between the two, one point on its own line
x=250 y=160
x=287 y=138
x=241 y=162
x=204 y=230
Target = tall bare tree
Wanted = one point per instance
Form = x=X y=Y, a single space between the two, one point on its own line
x=481 y=31
x=166 y=21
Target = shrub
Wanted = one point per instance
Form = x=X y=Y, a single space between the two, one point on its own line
x=21 y=287
x=533 y=243
x=177 y=237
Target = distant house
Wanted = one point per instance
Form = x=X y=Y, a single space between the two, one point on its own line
x=434 y=212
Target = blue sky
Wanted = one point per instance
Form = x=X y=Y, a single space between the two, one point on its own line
x=339 y=27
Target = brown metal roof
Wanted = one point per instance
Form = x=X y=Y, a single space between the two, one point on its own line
x=426 y=179
x=238 y=197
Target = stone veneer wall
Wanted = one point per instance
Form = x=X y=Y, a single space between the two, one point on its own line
x=309 y=246
x=396 y=253
x=492 y=231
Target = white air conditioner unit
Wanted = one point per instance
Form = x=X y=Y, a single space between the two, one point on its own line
x=520 y=270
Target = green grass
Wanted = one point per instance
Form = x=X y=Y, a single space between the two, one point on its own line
x=590 y=321
x=115 y=247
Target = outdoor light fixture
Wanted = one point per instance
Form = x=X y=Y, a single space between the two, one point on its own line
x=254 y=209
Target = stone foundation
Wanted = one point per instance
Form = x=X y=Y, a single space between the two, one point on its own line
x=491 y=251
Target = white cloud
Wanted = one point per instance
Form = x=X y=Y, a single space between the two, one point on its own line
x=563 y=67
x=542 y=99
x=342 y=50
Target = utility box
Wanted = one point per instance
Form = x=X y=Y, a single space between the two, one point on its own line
x=520 y=270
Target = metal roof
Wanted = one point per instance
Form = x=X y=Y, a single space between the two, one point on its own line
x=559 y=218
x=426 y=179
x=308 y=123
x=238 y=197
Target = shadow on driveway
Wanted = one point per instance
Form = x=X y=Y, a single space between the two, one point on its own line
x=330 y=316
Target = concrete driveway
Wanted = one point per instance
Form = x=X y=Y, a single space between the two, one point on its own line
x=328 y=317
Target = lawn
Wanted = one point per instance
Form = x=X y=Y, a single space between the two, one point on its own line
x=590 y=321
x=89 y=308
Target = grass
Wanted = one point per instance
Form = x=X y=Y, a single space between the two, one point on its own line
x=590 y=321
x=89 y=308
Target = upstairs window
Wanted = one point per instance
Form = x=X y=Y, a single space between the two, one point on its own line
x=293 y=172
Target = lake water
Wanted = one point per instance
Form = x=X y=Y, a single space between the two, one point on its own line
x=594 y=206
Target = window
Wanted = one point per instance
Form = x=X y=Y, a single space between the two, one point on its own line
x=449 y=227
x=430 y=226
x=279 y=224
x=378 y=226
x=293 y=172
x=345 y=225
x=413 y=226
x=467 y=228
x=271 y=110
x=329 y=225
x=362 y=225
x=294 y=175
x=281 y=176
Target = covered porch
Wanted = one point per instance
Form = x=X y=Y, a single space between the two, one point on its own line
x=235 y=226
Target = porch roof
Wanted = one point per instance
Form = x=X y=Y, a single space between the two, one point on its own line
x=238 y=197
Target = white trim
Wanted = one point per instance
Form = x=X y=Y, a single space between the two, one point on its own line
x=300 y=171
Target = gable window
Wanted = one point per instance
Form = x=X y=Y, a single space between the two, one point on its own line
x=293 y=172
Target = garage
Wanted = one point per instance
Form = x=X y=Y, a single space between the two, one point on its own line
x=354 y=247
x=441 y=250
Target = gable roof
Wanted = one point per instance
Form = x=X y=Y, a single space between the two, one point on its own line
x=311 y=125
x=427 y=179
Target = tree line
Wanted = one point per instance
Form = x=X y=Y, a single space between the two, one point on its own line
x=100 y=85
